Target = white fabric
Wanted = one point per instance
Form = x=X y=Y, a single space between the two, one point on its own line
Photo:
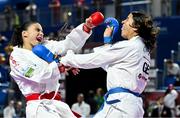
x=74 y=41
x=123 y=61
x=175 y=70
x=129 y=106
x=127 y=64
x=9 y=112
x=48 y=109
x=34 y=75
x=169 y=99
x=83 y=109
x=45 y=76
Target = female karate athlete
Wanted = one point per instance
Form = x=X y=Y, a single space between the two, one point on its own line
x=127 y=64
x=38 y=79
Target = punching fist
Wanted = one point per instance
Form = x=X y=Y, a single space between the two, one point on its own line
x=94 y=20
x=97 y=18
x=114 y=25
x=44 y=53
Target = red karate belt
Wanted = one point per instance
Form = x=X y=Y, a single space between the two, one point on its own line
x=76 y=114
x=38 y=96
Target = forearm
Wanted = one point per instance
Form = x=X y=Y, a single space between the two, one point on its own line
x=84 y=30
x=78 y=36
x=89 y=61
x=76 y=39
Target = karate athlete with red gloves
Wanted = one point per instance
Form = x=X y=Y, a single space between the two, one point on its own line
x=127 y=64
x=37 y=75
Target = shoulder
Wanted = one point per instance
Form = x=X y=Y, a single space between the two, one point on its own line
x=121 y=45
x=126 y=45
x=17 y=52
x=176 y=65
x=174 y=92
x=133 y=42
x=86 y=104
x=50 y=43
x=75 y=104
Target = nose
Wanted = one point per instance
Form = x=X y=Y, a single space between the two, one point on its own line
x=122 y=21
x=41 y=33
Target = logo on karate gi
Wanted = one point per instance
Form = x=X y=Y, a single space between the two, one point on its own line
x=29 y=72
x=146 y=68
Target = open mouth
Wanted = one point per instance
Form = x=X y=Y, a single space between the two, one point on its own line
x=40 y=39
x=122 y=28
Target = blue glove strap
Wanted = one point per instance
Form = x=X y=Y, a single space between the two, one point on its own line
x=57 y=59
x=44 y=53
x=107 y=39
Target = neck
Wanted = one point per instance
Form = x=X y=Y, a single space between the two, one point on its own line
x=28 y=47
x=132 y=35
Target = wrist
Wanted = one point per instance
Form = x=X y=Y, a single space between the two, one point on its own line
x=61 y=68
x=107 y=39
x=86 y=28
x=57 y=58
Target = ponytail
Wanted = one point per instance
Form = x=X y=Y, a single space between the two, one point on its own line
x=16 y=39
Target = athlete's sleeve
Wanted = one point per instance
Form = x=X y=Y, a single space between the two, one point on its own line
x=101 y=48
x=88 y=110
x=73 y=41
x=174 y=94
x=21 y=69
x=99 y=58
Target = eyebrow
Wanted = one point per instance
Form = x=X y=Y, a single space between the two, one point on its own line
x=39 y=29
x=127 y=17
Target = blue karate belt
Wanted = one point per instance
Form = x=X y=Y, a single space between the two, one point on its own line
x=116 y=90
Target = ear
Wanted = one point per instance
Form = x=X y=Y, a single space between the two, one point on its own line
x=135 y=29
x=24 y=33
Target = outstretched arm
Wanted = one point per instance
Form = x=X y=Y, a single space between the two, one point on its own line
x=78 y=36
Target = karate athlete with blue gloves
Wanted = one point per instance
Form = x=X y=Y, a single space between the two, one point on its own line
x=127 y=64
x=37 y=73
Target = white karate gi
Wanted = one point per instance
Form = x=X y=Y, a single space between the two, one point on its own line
x=127 y=64
x=34 y=75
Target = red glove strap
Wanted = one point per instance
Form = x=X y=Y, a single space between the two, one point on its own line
x=86 y=29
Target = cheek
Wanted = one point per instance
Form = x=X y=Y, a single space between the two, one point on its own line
x=124 y=33
x=34 y=41
x=127 y=31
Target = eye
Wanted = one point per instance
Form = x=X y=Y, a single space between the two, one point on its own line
x=39 y=30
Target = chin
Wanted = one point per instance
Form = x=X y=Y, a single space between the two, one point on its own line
x=36 y=43
x=123 y=35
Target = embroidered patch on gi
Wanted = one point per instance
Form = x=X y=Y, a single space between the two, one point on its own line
x=29 y=72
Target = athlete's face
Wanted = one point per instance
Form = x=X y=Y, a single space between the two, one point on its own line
x=33 y=35
x=127 y=31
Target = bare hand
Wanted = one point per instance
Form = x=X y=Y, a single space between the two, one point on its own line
x=75 y=71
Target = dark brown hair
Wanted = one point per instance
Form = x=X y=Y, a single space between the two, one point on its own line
x=17 y=39
x=145 y=29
